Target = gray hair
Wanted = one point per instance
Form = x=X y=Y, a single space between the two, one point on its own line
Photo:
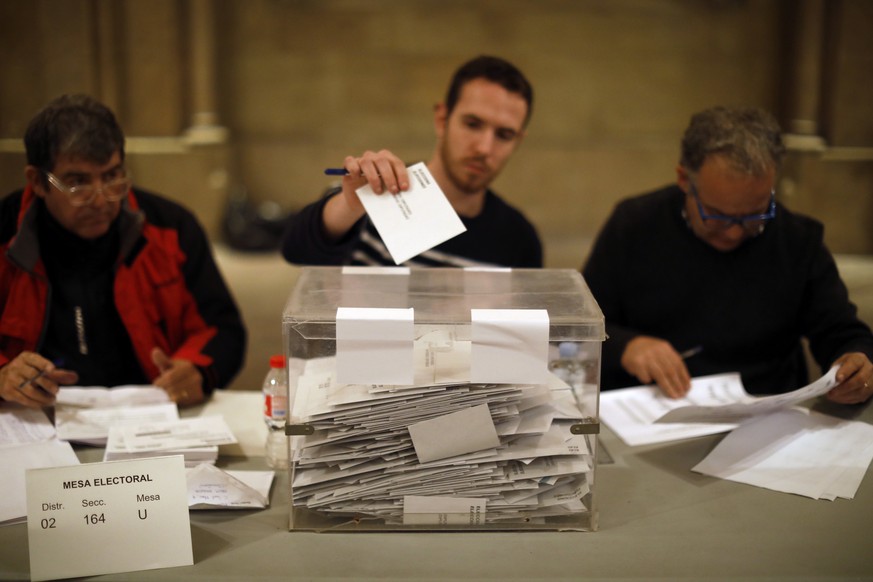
x=77 y=125
x=749 y=138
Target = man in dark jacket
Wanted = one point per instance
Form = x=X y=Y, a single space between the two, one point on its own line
x=102 y=284
x=713 y=275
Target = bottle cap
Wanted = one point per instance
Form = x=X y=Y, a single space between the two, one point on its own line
x=277 y=361
x=568 y=350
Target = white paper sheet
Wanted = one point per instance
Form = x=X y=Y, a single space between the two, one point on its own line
x=751 y=406
x=510 y=346
x=91 y=425
x=20 y=425
x=796 y=451
x=631 y=412
x=103 y=397
x=15 y=461
x=201 y=431
x=414 y=221
x=374 y=345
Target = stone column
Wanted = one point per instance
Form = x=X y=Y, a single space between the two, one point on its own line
x=205 y=127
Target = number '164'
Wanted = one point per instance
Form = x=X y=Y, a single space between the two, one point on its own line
x=94 y=518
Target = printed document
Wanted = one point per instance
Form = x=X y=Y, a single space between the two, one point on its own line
x=632 y=413
x=750 y=406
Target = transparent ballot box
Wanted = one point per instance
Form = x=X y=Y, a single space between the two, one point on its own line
x=442 y=399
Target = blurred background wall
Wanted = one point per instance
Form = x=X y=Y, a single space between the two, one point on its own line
x=225 y=98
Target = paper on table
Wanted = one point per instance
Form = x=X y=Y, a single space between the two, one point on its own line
x=414 y=221
x=200 y=431
x=103 y=397
x=465 y=431
x=510 y=346
x=797 y=451
x=374 y=345
x=19 y=425
x=631 y=412
x=15 y=462
x=738 y=411
x=210 y=488
x=91 y=425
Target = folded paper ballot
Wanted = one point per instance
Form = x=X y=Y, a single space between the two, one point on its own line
x=212 y=488
x=413 y=221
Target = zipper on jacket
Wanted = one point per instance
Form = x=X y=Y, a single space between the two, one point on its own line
x=80 y=331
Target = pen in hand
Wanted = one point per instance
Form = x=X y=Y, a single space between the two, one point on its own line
x=336 y=172
x=690 y=352
x=40 y=374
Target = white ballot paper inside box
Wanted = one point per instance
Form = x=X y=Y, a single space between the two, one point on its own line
x=374 y=345
x=443 y=510
x=464 y=431
x=413 y=221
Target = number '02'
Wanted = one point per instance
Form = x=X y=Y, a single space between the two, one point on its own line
x=94 y=518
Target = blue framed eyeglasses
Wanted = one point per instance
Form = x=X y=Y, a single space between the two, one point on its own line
x=751 y=223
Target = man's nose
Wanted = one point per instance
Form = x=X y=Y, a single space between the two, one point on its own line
x=485 y=142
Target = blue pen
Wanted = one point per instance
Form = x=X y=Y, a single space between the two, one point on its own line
x=336 y=172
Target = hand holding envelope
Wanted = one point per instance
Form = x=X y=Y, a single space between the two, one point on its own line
x=415 y=220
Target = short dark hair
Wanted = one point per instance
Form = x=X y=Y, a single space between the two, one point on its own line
x=76 y=125
x=748 y=137
x=496 y=70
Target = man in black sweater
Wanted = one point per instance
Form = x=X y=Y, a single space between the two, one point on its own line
x=714 y=275
x=478 y=127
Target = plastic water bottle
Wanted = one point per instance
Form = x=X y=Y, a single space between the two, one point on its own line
x=568 y=367
x=275 y=409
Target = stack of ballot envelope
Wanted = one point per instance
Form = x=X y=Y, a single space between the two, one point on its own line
x=376 y=448
x=196 y=439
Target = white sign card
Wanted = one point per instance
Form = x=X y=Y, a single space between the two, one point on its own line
x=509 y=346
x=375 y=345
x=413 y=221
x=103 y=518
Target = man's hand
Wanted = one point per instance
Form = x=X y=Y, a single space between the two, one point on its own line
x=32 y=380
x=382 y=170
x=179 y=378
x=855 y=378
x=653 y=360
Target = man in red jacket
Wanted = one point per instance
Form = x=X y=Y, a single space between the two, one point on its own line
x=102 y=284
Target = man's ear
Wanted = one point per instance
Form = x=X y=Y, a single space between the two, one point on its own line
x=440 y=116
x=35 y=180
x=683 y=178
